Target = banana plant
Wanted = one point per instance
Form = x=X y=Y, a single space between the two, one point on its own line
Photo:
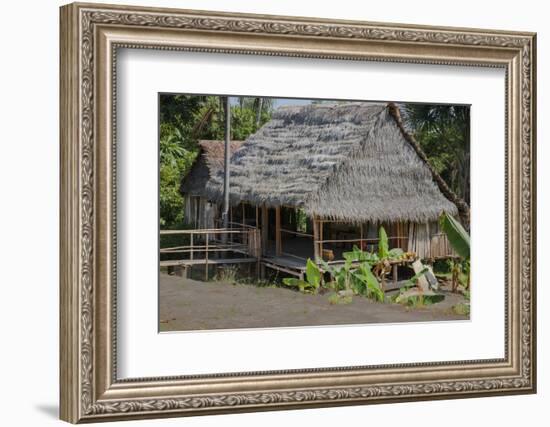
x=367 y=284
x=357 y=278
x=384 y=253
x=383 y=244
x=362 y=273
x=341 y=275
x=312 y=282
x=457 y=235
x=460 y=241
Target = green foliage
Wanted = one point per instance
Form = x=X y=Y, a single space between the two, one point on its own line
x=443 y=132
x=459 y=273
x=302 y=285
x=361 y=274
x=357 y=254
x=335 y=299
x=346 y=280
x=365 y=277
x=312 y=282
x=403 y=297
x=301 y=221
x=341 y=275
x=362 y=271
x=462 y=309
x=171 y=201
x=396 y=253
x=458 y=236
x=227 y=274
x=313 y=274
x=460 y=241
x=417 y=301
x=382 y=243
x=356 y=274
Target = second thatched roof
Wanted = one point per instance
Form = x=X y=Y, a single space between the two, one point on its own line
x=347 y=162
x=209 y=162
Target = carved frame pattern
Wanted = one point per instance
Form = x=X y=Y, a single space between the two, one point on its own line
x=80 y=400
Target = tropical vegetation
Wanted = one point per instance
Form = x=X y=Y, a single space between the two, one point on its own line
x=184 y=121
x=460 y=241
x=443 y=132
x=363 y=273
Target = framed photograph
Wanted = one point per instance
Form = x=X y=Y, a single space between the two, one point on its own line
x=267 y=212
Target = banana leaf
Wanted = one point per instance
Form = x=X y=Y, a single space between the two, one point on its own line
x=365 y=274
x=382 y=243
x=458 y=237
x=293 y=282
x=313 y=274
x=395 y=252
x=357 y=254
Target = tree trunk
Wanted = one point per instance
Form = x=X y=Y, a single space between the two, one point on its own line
x=466 y=170
x=260 y=102
x=463 y=208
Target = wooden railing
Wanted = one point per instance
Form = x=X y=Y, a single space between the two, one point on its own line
x=205 y=247
x=245 y=241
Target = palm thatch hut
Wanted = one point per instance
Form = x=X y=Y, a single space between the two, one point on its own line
x=326 y=176
x=200 y=211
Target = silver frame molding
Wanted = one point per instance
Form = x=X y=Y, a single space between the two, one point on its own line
x=90 y=36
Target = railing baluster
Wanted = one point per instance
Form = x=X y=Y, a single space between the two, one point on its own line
x=206 y=260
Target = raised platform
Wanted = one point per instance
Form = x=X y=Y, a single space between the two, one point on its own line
x=203 y=261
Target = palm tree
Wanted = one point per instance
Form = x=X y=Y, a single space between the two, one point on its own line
x=259 y=111
x=443 y=132
x=262 y=104
x=171 y=147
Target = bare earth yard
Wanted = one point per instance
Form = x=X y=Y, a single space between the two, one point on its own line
x=187 y=304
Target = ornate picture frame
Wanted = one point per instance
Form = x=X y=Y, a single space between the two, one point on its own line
x=90 y=37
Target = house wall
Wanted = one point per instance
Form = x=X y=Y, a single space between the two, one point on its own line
x=199 y=212
x=424 y=239
x=427 y=240
x=189 y=210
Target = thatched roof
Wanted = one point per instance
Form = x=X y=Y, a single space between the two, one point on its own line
x=349 y=162
x=209 y=162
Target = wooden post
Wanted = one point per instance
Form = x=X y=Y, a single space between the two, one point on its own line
x=197 y=214
x=264 y=229
x=361 y=236
x=315 y=238
x=257 y=251
x=399 y=244
x=244 y=239
x=321 y=225
x=231 y=224
x=278 y=243
x=206 y=260
x=227 y=156
x=264 y=237
x=257 y=217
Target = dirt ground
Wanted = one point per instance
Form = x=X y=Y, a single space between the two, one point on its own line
x=187 y=304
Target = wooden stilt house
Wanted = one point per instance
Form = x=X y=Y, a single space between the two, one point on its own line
x=320 y=178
